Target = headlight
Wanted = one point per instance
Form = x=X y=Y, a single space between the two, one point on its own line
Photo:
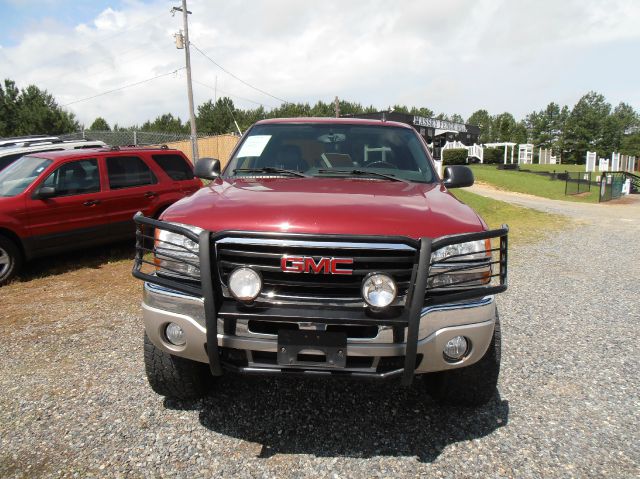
x=245 y=284
x=176 y=255
x=463 y=251
x=461 y=265
x=379 y=290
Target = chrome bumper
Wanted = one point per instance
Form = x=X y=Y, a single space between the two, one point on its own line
x=438 y=324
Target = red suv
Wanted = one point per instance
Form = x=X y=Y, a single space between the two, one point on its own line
x=55 y=201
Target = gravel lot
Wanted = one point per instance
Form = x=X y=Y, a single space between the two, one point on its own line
x=74 y=399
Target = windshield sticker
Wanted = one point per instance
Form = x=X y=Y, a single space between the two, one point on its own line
x=254 y=145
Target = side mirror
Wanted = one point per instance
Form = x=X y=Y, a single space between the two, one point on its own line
x=207 y=168
x=44 y=193
x=458 y=176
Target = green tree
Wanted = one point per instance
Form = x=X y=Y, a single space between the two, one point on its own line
x=290 y=110
x=482 y=120
x=623 y=119
x=503 y=127
x=585 y=127
x=520 y=134
x=400 y=109
x=32 y=111
x=631 y=145
x=421 y=111
x=216 y=118
x=322 y=109
x=100 y=124
x=165 y=123
x=8 y=108
x=546 y=127
x=246 y=118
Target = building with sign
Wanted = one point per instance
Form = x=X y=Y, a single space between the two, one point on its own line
x=435 y=132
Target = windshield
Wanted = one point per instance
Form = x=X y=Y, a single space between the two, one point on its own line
x=18 y=176
x=332 y=150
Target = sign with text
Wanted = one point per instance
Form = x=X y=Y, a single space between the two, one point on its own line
x=439 y=124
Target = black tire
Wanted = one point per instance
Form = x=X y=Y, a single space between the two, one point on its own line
x=473 y=385
x=175 y=377
x=10 y=260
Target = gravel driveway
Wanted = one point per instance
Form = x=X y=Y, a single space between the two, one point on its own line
x=74 y=400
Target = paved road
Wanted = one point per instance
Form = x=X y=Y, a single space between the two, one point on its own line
x=623 y=211
x=74 y=400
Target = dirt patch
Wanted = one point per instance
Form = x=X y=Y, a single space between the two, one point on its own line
x=67 y=286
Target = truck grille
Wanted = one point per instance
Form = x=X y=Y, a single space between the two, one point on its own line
x=265 y=254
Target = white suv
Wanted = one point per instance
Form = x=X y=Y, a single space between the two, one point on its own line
x=10 y=154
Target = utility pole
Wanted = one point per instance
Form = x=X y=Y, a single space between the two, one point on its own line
x=187 y=54
x=337 y=107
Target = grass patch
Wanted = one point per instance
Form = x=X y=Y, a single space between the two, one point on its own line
x=525 y=225
x=529 y=183
x=556 y=168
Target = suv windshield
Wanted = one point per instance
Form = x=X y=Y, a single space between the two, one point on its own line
x=18 y=176
x=332 y=150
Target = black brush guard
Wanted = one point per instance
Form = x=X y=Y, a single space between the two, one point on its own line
x=419 y=296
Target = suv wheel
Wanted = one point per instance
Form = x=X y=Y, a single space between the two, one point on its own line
x=172 y=376
x=10 y=260
x=473 y=385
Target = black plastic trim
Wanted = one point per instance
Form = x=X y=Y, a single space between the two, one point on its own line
x=415 y=307
x=211 y=316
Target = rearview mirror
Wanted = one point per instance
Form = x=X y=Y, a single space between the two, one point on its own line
x=44 y=193
x=458 y=176
x=207 y=168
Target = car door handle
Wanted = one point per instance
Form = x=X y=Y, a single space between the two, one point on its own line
x=150 y=194
x=91 y=202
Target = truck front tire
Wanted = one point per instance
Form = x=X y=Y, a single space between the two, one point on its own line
x=473 y=385
x=10 y=260
x=175 y=377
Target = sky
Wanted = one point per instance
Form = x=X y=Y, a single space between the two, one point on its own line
x=452 y=56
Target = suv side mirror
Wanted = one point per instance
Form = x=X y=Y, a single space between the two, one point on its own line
x=44 y=193
x=207 y=168
x=458 y=176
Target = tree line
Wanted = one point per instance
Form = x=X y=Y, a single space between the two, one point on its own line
x=592 y=124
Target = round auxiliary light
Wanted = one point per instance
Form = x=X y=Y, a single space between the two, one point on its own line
x=175 y=334
x=379 y=290
x=245 y=284
x=456 y=348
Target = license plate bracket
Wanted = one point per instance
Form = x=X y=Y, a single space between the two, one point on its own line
x=292 y=343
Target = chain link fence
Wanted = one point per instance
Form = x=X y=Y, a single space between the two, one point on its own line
x=577 y=182
x=218 y=146
x=127 y=137
x=611 y=186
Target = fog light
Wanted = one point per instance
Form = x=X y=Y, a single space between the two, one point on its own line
x=245 y=284
x=379 y=290
x=455 y=348
x=175 y=334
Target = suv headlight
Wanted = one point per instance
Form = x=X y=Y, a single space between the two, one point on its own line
x=176 y=255
x=461 y=265
x=472 y=250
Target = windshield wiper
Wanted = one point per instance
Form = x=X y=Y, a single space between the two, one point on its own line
x=387 y=176
x=271 y=169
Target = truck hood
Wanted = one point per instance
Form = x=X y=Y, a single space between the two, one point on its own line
x=326 y=206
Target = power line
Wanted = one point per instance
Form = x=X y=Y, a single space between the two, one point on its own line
x=124 y=86
x=234 y=76
x=232 y=95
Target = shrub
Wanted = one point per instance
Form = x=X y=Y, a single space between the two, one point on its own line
x=493 y=155
x=455 y=156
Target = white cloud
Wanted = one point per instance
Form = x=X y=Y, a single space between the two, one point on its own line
x=455 y=56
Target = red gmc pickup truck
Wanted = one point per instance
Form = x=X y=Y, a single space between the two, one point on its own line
x=325 y=247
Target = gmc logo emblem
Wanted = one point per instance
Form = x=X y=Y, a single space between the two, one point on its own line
x=306 y=264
